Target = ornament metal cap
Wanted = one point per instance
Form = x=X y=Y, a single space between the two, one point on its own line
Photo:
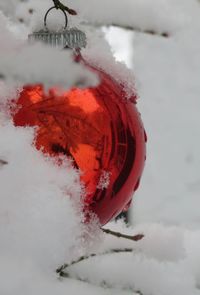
x=65 y=38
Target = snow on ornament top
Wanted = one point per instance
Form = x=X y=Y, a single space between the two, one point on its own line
x=64 y=38
x=98 y=129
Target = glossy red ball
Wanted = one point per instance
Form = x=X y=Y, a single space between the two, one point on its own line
x=99 y=129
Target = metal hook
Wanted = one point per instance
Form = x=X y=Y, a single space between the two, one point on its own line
x=46 y=15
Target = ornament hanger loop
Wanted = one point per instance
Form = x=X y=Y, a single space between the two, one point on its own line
x=47 y=13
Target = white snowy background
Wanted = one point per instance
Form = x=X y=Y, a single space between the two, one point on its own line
x=40 y=227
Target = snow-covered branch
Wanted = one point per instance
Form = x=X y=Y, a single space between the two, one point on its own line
x=163 y=18
x=98 y=23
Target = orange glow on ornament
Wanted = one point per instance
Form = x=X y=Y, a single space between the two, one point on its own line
x=99 y=129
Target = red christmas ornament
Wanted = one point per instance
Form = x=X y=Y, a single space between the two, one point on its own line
x=100 y=130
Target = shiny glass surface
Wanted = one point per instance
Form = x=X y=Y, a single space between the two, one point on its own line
x=99 y=130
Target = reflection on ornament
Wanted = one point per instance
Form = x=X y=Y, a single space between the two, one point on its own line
x=99 y=129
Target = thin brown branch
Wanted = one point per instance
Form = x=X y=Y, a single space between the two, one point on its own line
x=120 y=235
x=59 y=5
x=103 y=284
x=61 y=269
x=64 y=274
x=2 y=77
x=164 y=34
x=2 y=162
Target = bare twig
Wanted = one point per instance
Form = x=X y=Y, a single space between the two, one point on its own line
x=61 y=269
x=60 y=5
x=120 y=235
x=2 y=77
x=102 y=284
x=2 y=162
x=163 y=34
x=64 y=274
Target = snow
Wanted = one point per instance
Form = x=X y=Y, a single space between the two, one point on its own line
x=104 y=180
x=40 y=214
x=162 y=16
x=34 y=209
x=37 y=63
x=121 y=48
x=34 y=206
x=167 y=71
x=25 y=63
x=98 y=54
